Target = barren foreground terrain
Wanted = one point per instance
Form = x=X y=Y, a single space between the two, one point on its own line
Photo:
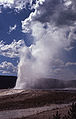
x=31 y=104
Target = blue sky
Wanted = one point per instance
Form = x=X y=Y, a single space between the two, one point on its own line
x=16 y=30
x=11 y=18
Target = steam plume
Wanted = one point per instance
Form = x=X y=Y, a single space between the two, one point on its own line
x=49 y=38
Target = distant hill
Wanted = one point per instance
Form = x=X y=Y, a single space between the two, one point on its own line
x=70 y=83
x=54 y=84
x=7 y=82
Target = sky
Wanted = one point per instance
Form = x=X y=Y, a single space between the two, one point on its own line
x=42 y=31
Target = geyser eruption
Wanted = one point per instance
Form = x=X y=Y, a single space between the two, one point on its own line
x=50 y=36
x=35 y=61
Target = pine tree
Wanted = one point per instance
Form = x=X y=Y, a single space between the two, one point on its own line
x=57 y=116
x=72 y=112
x=65 y=117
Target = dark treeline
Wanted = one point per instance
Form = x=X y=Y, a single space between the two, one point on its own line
x=7 y=82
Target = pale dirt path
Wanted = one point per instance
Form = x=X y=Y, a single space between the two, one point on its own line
x=8 y=114
x=5 y=92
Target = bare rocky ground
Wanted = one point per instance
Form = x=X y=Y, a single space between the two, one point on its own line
x=34 y=104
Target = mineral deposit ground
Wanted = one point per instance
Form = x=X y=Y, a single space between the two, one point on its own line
x=31 y=104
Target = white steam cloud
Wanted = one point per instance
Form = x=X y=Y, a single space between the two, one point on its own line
x=50 y=37
x=35 y=61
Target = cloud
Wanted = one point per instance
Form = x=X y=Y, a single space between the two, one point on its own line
x=69 y=48
x=7 y=3
x=57 y=12
x=12 y=28
x=71 y=37
x=63 y=70
x=58 y=63
x=11 y=50
x=16 y=4
x=26 y=23
x=64 y=74
x=7 y=68
x=67 y=3
x=20 y=4
x=70 y=64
